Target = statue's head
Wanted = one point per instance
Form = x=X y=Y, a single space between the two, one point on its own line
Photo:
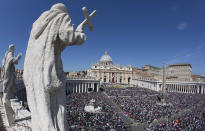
x=11 y=48
x=59 y=6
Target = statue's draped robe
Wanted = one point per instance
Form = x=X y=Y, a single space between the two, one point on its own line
x=8 y=75
x=43 y=70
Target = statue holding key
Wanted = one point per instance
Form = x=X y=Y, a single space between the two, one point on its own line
x=43 y=74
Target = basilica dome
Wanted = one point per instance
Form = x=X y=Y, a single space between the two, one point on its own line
x=106 y=58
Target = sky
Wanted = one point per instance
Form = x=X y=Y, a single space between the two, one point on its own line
x=134 y=32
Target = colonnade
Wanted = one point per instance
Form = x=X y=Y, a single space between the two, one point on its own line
x=82 y=86
x=182 y=88
x=172 y=86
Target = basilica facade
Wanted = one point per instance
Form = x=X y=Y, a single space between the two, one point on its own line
x=108 y=72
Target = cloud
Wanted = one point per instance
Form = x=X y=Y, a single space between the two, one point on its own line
x=175 y=8
x=182 y=26
x=187 y=55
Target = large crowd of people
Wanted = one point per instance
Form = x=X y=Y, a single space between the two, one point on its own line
x=184 y=112
x=79 y=119
x=143 y=105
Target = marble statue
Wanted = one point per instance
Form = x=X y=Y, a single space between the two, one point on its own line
x=9 y=82
x=44 y=77
x=8 y=73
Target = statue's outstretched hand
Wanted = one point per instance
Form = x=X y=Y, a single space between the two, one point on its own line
x=80 y=28
x=19 y=56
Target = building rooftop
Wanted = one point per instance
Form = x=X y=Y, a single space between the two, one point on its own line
x=180 y=64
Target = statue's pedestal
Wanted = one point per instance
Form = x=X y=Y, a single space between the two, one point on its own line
x=15 y=117
x=9 y=114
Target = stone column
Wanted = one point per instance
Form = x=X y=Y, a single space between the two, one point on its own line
x=201 y=89
x=86 y=87
x=81 y=87
x=189 y=89
x=92 y=86
x=177 y=88
x=73 y=87
x=193 y=89
x=76 y=88
x=97 y=87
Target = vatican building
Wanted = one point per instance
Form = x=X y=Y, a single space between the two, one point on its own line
x=108 y=72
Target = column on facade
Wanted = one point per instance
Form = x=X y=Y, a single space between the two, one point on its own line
x=97 y=87
x=107 y=77
x=93 y=85
x=118 y=77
